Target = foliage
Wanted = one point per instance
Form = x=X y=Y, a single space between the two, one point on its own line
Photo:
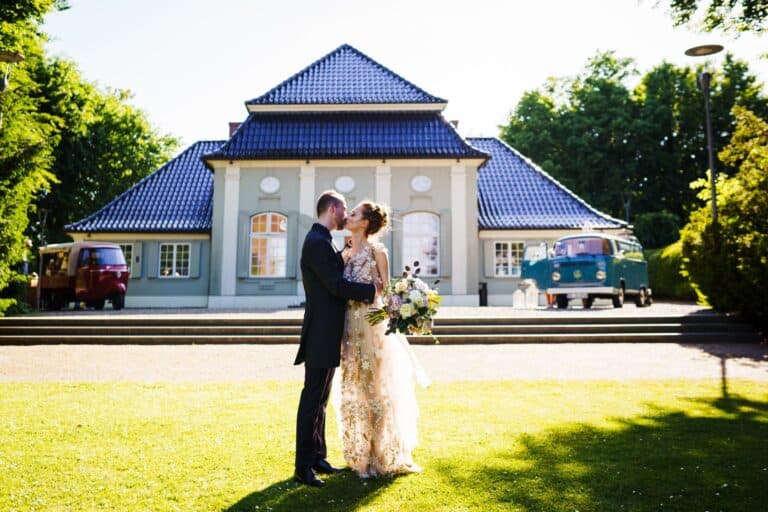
x=657 y=229
x=484 y=446
x=106 y=145
x=664 y=273
x=726 y=15
x=728 y=261
x=630 y=151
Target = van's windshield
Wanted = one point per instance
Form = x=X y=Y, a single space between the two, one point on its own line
x=582 y=247
x=102 y=256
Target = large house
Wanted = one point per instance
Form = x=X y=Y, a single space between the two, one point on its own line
x=221 y=224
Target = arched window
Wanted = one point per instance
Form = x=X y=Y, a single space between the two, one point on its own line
x=421 y=241
x=268 y=245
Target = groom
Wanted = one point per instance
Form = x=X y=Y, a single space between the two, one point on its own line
x=327 y=293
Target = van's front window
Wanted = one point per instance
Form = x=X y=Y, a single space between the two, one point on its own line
x=582 y=247
x=107 y=256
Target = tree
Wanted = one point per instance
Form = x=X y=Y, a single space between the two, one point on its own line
x=106 y=145
x=631 y=152
x=727 y=262
x=726 y=15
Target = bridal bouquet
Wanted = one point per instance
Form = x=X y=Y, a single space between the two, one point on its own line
x=410 y=304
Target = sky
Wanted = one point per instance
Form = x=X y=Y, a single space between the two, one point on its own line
x=191 y=64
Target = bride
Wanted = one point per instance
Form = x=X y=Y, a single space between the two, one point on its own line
x=378 y=409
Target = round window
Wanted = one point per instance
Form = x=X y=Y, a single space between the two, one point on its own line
x=270 y=185
x=345 y=184
x=421 y=183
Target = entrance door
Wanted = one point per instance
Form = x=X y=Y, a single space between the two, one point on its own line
x=536 y=265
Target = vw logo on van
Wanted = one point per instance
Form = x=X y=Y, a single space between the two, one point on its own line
x=577 y=274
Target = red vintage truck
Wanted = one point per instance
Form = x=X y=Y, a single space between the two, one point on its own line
x=87 y=272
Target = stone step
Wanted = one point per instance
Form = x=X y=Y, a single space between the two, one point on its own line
x=603 y=337
x=439 y=330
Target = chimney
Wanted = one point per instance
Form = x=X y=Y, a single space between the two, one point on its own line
x=233 y=128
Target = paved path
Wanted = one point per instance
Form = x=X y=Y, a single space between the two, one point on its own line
x=443 y=363
x=207 y=363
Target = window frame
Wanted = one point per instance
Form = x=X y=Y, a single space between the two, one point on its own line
x=406 y=236
x=268 y=235
x=508 y=256
x=175 y=246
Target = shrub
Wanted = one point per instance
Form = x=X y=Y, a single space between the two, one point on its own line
x=664 y=273
x=727 y=262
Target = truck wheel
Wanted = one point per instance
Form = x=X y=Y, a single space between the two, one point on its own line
x=587 y=303
x=562 y=301
x=618 y=299
x=641 y=299
x=98 y=305
x=118 y=302
x=56 y=302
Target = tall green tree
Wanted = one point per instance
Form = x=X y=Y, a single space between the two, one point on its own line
x=726 y=15
x=631 y=151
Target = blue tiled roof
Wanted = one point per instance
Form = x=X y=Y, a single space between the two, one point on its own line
x=176 y=198
x=346 y=135
x=345 y=76
x=514 y=193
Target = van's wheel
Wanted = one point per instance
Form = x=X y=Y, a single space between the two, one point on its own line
x=98 y=305
x=587 y=303
x=641 y=299
x=562 y=301
x=118 y=302
x=56 y=302
x=618 y=299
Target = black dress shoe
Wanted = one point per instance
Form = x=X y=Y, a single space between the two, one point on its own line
x=308 y=477
x=323 y=466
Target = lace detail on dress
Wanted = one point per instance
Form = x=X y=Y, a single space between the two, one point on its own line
x=378 y=403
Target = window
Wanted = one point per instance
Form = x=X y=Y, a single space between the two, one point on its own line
x=174 y=260
x=507 y=258
x=421 y=241
x=268 y=245
x=127 y=252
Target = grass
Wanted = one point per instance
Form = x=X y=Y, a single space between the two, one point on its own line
x=526 y=446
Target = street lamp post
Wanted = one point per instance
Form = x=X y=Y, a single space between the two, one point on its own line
x=704 y=80
x=9 y=58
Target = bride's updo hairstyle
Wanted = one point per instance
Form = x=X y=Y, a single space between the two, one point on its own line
x=376 y=215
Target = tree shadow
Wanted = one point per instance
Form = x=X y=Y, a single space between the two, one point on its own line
x=664 y=460
x=342 y=492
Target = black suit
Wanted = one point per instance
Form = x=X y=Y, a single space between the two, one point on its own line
x=326 y=293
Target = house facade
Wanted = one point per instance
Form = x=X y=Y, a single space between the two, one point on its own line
x=221 y=225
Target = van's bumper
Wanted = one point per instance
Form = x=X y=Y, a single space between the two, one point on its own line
x=583 y=291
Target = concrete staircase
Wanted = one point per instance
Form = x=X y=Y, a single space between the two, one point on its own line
x=203 y=329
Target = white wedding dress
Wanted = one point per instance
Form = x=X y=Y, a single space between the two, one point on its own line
x=377 y=410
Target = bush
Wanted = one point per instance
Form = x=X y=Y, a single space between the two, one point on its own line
x=727 y=262
x=664 y=273
x=657 y=229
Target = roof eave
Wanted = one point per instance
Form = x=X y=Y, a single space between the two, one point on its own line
x=343 y=107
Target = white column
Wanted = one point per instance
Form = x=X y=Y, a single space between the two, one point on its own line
x=384 y=184
x=307 y=200
x=231 y=198
x=459 y=242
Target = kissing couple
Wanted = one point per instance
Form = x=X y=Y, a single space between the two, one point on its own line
x=378 y=409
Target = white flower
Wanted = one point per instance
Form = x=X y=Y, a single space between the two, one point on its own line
x=420 y=285
x=406 y=310
x=401 y=286
x=415 y=296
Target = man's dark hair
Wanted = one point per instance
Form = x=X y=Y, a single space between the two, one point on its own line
x=327 y=199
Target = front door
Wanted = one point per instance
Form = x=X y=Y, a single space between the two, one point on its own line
x=536 y=265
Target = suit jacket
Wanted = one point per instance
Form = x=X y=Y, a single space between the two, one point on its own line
x=327 y=292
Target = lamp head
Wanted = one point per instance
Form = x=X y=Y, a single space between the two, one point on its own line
x=704 y=50
x=10 y=57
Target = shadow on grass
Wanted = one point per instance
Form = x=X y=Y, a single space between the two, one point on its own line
x=342 y=492
x=665 y=460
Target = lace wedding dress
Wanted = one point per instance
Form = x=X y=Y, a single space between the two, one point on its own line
x=378 y=408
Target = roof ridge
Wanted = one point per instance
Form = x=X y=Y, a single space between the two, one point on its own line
x=538 y=169
x=338 y=51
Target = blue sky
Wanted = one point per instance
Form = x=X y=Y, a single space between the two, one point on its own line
x=192 y=63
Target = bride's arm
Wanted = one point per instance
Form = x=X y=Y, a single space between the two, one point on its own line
x=382 y=265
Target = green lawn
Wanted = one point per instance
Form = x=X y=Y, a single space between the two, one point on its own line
x=552 y=446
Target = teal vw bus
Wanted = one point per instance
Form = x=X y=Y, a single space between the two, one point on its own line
x=591 y=266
